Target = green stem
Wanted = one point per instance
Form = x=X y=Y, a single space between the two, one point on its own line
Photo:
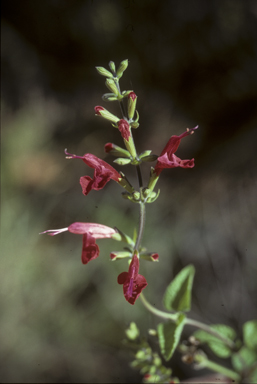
x=205 y=363
x=195 y=323
x=141 y=225
x=157 y=312
x=120 y=101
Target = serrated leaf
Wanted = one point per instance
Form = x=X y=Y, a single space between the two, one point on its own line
x=178 y=294
x=218 y=347
x=250 y=334
x=169 y=335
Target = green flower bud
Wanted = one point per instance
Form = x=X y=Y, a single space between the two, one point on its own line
x=104 y=72
x=122 y=161
x=112 y=66
x=134 y=125
x=136 y=195
x=132 y=101
x=132 y=332
x=115 y=150
x=101 y=111
x=145 y=153
x=150 y=158
x=120 y=255
x=110 y=84
x=122 y=67
x=153 y=196
x=109 y=97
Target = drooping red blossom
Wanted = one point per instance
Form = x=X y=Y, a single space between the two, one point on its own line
x=124 y=129
x=90 y=232
x=133 y=283
x=104 y=172
x=167 y=159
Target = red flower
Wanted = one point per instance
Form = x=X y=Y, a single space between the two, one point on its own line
x=133 y=283
x=90 y=232
x=124 y=129
x=167 y=159
x=104 y=172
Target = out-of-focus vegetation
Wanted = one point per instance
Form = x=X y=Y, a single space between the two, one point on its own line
x=190 y=63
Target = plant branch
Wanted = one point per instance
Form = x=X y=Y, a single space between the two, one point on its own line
x=205 y=363
x=188 y=321
x=141 y=225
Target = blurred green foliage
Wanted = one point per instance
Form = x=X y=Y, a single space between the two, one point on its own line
x=188 y=63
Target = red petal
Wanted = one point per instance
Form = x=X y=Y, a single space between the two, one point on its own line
x=122 y=277
x=90 y=249
x=124 y=129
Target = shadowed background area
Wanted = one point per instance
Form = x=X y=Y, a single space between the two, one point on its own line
x=189 y=63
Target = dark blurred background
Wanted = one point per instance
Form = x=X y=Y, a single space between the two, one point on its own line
x=190 y=62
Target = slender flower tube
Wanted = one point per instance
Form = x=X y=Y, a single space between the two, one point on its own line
x=133 y=283
x=90 y=232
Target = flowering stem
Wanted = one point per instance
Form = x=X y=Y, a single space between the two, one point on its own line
x=141 y=225
x=188 y=321
x=120 y=101
x=139 y=176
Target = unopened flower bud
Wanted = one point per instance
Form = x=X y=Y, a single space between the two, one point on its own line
x=112 y=66
x=110 y=84
x=150 y=256
x=120 y=255
x=122 y=67
x=132 y=101
x=101 y=111
x=132 y=332
x=136 y=195
x=149 y=158
x=104 y=72
x=122 y=161
x=115 y=150
x=109 y=97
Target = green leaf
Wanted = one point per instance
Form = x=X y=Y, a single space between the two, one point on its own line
x=218 y=347
x=169 y=335
x=245 y=361
x=178 y=294
x=250 y=334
